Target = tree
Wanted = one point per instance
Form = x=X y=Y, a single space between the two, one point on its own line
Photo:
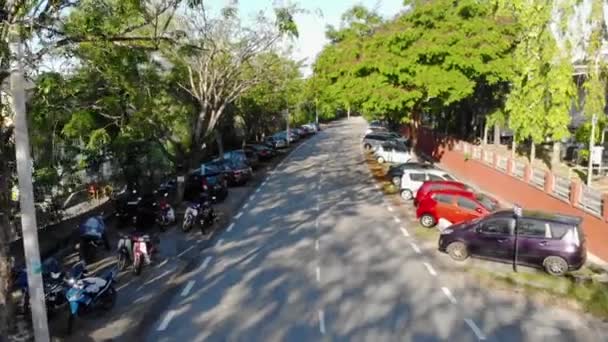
x=218 y=62
x=541 y=95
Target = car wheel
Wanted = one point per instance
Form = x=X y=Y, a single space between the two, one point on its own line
x=380 y=160
x=396 y=181
x=458 y=251
x=406 y=194
x=367 y=147
x=555 y=266
x=427 y=221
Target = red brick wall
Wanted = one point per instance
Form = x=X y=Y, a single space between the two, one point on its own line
x=511 y=189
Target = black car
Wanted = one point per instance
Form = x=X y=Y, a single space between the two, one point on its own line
x=210 y=180
x=395 y=172
x=263 y=152
x=237 y=173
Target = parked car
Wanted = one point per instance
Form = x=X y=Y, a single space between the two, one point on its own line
x=412 y=180
x=312 y=127
x=300 y=132
x=374 y=140
x=236 y=172
x=275 y=142
x=554 y=242
x=454 y=206
x=243 y=156
x=395 y=172
x=283 y=135
x=429 y=186
x=392 y=154
x=209 y=179
x=263 y=152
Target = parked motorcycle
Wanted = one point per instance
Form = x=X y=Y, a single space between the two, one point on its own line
x=136 y=250
x=92 y=235
x=166 y=214
x=200 y=213
x=89 y=294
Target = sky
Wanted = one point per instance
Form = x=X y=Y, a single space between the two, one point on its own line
x=312 y=26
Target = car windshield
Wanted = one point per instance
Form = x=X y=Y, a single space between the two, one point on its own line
x=487 y=202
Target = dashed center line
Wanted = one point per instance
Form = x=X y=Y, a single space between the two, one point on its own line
x=415 y=247
x=430 y=269
x=397 y=220
x=206 y=262
x=475 y=329
x=246 y=206
x=321 y=321
x=449 y=294
x=188 y=288
x=239 y=215
x=318 y=271
x=219 y=242
x=230 y=227
x=165 y=323
x=317 y=244
x=257 y=190
x=405 y=232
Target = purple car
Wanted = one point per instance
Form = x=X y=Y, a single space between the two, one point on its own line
x=554 y=242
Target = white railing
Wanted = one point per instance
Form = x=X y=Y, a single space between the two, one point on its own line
x=519 y=169
x=488 y=157
x=476 y=153
x=561 y=188
x=501 y=163
x=537 y=178
x=590 y=200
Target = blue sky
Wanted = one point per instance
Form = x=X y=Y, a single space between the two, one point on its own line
x=312 y=26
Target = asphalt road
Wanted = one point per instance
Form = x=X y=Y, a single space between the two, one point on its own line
x=317 y=254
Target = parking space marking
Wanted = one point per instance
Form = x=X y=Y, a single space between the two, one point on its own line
x=165 y=323
x=397 y=220
x=230 y=227
x=318 y=274
x=475 y=328
x=239 y=215
x=188 y=288
x=219 y=243
x=405 y=232
x=449 y=294
x=317 y=222
x=257 y=190
x=246 y=206
x=206 y=262
x=430 y=269
x=321 y=321
x=415 y=247
x=185 y=251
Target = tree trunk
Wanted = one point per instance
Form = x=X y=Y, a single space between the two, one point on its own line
x=555 y=155
x=348 y=113
x=485 y=133
x=496 y=134
x=532 y=151
x=513 y=147
x=220 y=142
x=414 y=125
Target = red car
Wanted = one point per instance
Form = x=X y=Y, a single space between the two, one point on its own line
x=429 y=186
x=454 y=206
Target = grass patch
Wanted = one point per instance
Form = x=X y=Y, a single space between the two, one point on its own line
x=429 y=234
x=588 y=295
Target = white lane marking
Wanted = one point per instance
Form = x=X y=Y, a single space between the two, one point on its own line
x=246 y=206
x=219 y=242
x=317 y=222
x=186 y=251
x=206 y=262
x=430 y=269
x=188 y=288
x=263 y=183
x=239 y=215
x=230 y=227
x=405 y=232
x=258 y=190
x=317 y=207
x=449 y=294
x=475 y=329
x=318 y=274
x=397 y=220
x=321 y=321
x=415 y=247
x=165 y=323
x=317 y=245
x=389 y=208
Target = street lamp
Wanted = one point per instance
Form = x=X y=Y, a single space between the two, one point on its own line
x=517 y=213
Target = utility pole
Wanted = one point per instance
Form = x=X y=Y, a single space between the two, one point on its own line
x=26 y=192
x=316 y=112
x=591 y=145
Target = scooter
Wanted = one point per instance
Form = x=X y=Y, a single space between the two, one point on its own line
x=92 y=235
x=136 y=249
x=199 y=213
x=166 y=214
x=88 y=294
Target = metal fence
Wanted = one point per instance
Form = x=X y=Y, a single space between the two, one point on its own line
x=519 y=169
x=590 y=200
x=537 y=178
x=561 y=188
x=488 y=157
x=501 y=163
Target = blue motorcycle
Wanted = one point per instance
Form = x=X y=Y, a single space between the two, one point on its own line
x=88 y=294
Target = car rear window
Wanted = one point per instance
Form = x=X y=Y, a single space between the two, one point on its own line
x=558 y=230
x=417 y=177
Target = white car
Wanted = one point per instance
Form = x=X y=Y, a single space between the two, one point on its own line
x=391 y=154
x=413 y=179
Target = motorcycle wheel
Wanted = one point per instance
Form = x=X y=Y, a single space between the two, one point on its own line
x=122 y=261
x=137 y=266
x=187 y=225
